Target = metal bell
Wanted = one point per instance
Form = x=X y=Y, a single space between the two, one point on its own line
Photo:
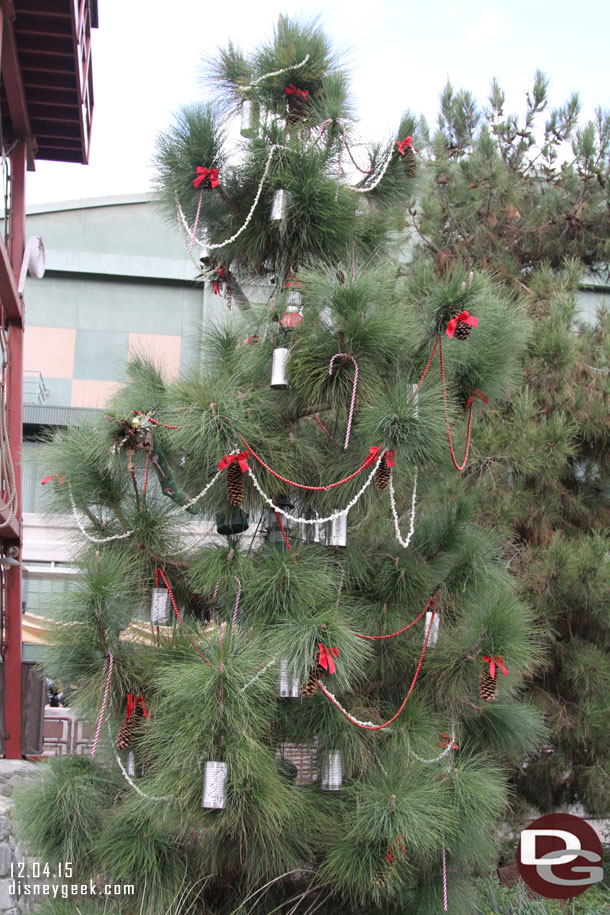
x=279 y=381
x=249 y=119
x=289 y=684
x=281 y=202
x=214 y=785
x=433 y=637
x=337 y=531
x=159 y=607
x=332 y=771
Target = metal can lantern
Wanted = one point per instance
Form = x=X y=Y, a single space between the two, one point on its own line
x=159 y=607
x=332 y=771
x=279 y=381
x=214 y=785
x=433 y=637
x=289 y=683
x=249 y=119
x=281 y=202
x=337 y=531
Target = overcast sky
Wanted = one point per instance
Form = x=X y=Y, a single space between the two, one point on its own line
x=146 y=64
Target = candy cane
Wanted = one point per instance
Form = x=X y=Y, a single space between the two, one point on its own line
x=353 y=403
x=104 y=701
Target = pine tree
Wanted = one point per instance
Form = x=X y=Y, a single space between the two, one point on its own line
x=538 y=214
x=251 y=795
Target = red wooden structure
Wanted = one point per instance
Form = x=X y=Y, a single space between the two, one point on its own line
x=46 y=101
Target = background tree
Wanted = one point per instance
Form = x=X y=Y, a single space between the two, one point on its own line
x=531 y=203
x=276 y=609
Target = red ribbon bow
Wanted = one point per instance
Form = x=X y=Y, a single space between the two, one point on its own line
x=476 y=393
x=325 y=658
x=220 y=273
x=374 y=454
x=444 y=742
x=404 y=144
x=292 y=90
x=241 y=458
x=54 y=476
x=492 y=665
x=133 y=702
x=203 y=173
x=389 y=459
x=465 y=318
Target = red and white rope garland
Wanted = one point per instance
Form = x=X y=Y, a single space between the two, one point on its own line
x=104 y=701
x=237 y=600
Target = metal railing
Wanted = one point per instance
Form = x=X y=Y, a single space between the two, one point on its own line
x=35 y=390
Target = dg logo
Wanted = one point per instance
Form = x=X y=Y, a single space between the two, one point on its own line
x=559 y=856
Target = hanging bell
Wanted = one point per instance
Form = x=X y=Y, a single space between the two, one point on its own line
x=281 y=202
x=159 y=607
x=289 y=684
x=230 y=525
x=336 y=534
x=279 y=381
x=291 y=318
x=433 y=637
x=332 y=771
x=214 y=785
x=249 y=119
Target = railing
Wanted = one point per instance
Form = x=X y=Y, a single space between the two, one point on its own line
x=35 y=390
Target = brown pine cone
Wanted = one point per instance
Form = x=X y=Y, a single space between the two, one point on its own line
x=488 y=687
x=382 y=475
x=235 y=484
x=312 y=681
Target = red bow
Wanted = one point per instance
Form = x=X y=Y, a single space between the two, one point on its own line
x=372 y=456
x=444 y=742
x=406 y=143
x=292 y=90
x=54 y=476
x=492 y=665
x=132 y=703
x=465 y=318
x=476 y=393
x=325 y=658
x=203 y=173
x=241 y=458
x=219 y=278
x=389 y=459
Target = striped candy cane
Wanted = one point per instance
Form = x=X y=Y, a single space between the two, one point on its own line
x=353 y=403
x=104 y=701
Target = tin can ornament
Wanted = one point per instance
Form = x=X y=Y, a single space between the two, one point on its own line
x=289 y=683
x=159 y=607
x=279 y=380
x=249 y=119
x=281 y=203
x=214 y=785
x=332 y=771
x=433 y=637
x=337 y=531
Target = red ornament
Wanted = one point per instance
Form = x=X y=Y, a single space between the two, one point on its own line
x=463 y=318
x=301 y=93
x=206 y=176
x=291 y=319
x=407 y=142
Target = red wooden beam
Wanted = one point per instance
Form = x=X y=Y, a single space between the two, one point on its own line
x=9 y=297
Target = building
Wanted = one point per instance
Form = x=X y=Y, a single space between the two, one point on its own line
x=46 y=104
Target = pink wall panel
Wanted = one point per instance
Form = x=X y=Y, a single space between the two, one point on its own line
x=50 y=351
x=92 y=393
x=163 y=349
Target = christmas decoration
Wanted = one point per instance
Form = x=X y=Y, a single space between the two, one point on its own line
x=336 y=534
x=312 y=681
x=432 y=626
x=488 y=684
x=345 y=357
x=214 y=785
x=383 y=474
x=206 y=178
x=279 y=380
x=235 y=465
x=332 y=771
x=461 y=324
x=233 y=524
x=297 y=103
x=159 y=607
x=289 y=683
x=281 y=202
x=136 y=711
x=407 y=152
x=249 y=119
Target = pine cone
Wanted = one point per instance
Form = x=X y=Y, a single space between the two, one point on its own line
x=382 y=475
x=384 y=872
x=235 y=484
x=462 y=331
x=312 y=682
x=488 y=687
x=126 y=732
x=409 y=163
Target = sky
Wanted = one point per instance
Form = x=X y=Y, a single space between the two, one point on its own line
x=147 y=64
